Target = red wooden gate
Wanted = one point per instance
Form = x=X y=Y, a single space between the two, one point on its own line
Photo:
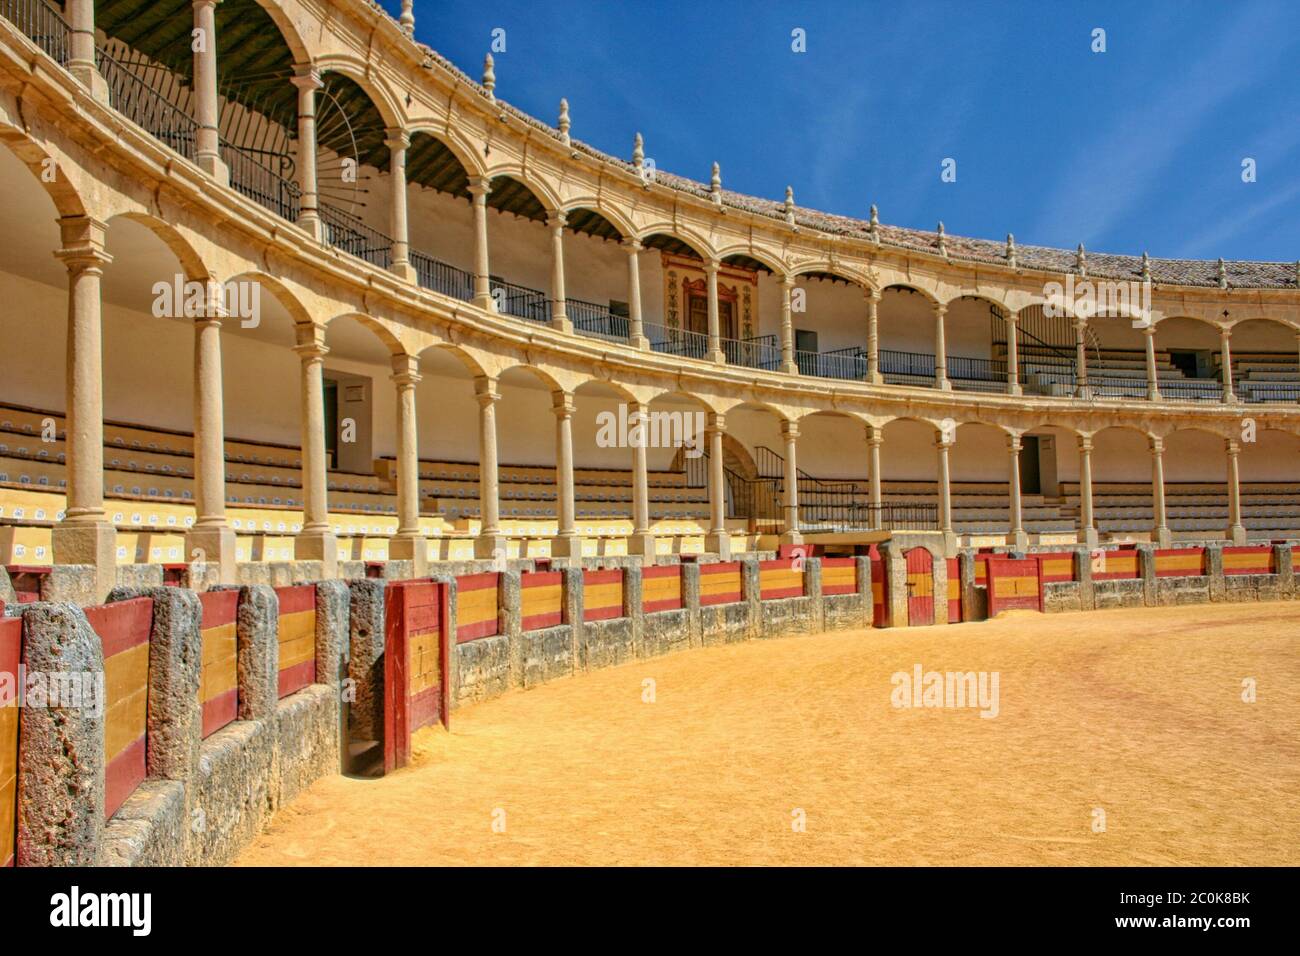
x=416 y=659
x=879 y=588
x=920 y=587
x=11 y=646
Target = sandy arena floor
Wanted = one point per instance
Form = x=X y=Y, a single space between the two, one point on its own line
x=1139 y=713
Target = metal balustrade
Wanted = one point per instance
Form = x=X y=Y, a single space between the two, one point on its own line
x=437 y=276
x=347 y=233
x=252 y=178
x=906 y=363
x=596 y=321
x=672 y=341
x=42 y=25
x=141 y=104
x=850 y=363
x=520 y=301
x=759 y=351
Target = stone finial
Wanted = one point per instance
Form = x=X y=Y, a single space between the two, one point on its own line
x=1011 y=250
x=1146 y=267
x=715 y=184
x=789 y=204
x=1081 y=261
x=873 y=227
x=489 y=77
x=564 y=121
x=407 y=19
x=1223 y=274
x=638 y=152
x=943 y=241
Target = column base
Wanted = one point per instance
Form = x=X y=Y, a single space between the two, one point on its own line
x=492 y=547
x=567 y=546
x=404 y=270
x=319 y=546
x=1230 y=398
x=717 y=357
x=644 y=545
x=943 y=385
x=413 y=548
x=1015 y=390
x=719 y=544
x=790 y=368
x=1153 y=395
x=791 y=537
x=1088 y=538
x=89 y=77
x=874 y=378
x=92 y=543
x=486 y=302
x=1237 y=535
x=950 y=544
x=1162 y=538
x=214 y=548
x=309 y=220
x=561 y=323
x=1018 y=540
x=639 y=342
x=211 y=164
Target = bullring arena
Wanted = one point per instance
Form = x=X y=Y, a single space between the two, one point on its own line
x=387 y=476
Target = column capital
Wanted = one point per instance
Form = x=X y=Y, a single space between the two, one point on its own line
x=1157 y=445
x=199 y=4
x=1149 y=330
x=1085 y=444
x=711 y=266
x=1012 y=317
x=941 y=310
x=1014 y=444
x=311 y=341
x=943 y=442
x=1225 y=332
x=872 y=295
x=479 y=186
x=556 y=219
x=486 y=390
x=716 y=422
x=406 y=370
x=395 y=137
x=84 y=241
x=562 y=403
x=1232 y=446
x=790 y=429
x=214 y=304
x=875 y=436
x=306 y=77
x=632 y=245
x=787 y=280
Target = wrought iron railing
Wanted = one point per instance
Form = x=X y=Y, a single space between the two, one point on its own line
x=672 y=341
x=252 y=178
x=520 y=301
x=42 y=25
x=976 y=369
x=438 y=276
x=906 y=363
x=347 y=233
x=850 y=363
x=760 y=351
x=590 y=318
x=141 y=104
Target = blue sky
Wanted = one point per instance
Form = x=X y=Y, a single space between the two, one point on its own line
x=1136 y=148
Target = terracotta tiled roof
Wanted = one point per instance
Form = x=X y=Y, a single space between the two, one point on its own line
x=1189 y=272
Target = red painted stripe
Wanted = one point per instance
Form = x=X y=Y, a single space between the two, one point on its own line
x=608 y=576
x=123 y=625
x=666 y=604
x=220 y=711
x=539 y=621
x=299 y=597
x=839 y=589
x=601 y=613
x=295 y=678
x=11 y=649
x=776 y=594
x=662 y=571
x=538 y=579
x=479 y=582
x=125 y=772
x=729 y=567
x=780 y=564
x=472 y=632
x=219 y=607
x=708 y=600
x=425 y=707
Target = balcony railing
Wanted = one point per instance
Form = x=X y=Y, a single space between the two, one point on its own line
x=520 y=301
x=759 y=351
x=677 y=341
x=347 y=233
x=906 y=363
x=437 y=276
x=850 y=363
x=252 y=178
x=42 y=25
x=596 y=321
x=141 y=104
x=976 y=370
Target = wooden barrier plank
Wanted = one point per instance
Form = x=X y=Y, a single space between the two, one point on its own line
x=1180 y=562
x=954 y=591
x=839 y=576
x=219 y=671
x=124 y=630
x=1249 y=560
x=878 y=610
x=782 y=578
x=478 y=612
x=602 y=594
x=542 y=599
x=1014 y=584
x=297 y=636
x=661 y=588
x=720 y=583
x=1115 y=565
x=416 y=658
x=11 y=648
x=1054 y=567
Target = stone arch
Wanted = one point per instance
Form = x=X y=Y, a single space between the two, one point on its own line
x=671 y=238
x=540 y=190
x=381 y=331
x=357 y=71
x=602 y=209
x=775 y=264
x=470 y=362
x=189 y=258
x=67 y=200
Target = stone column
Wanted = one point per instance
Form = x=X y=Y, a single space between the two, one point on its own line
x=876 y=438
x=788 y=363
x=1087 y=530
x=1160 y=535
x=942 y=444
x=398 y=141
x=718 y=541
x=1016 y=536
x=636 y=328
x=873 y=336
x=81 y=64
x=409 y=543
x=308 y=82
x=791 y=535
x=1081 y=389
x=559 y=312
x=207 y=152
x=567 y=544
x=940 y=349
x=642 y=542
x=1013 y=354
x=84 y=536
x=316 y=541
x=1153 y=377
x=1225 y=339
x=1236 y=530
x=479 y=187
x=211 y=541
x=715 y=335
x=490 y=542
